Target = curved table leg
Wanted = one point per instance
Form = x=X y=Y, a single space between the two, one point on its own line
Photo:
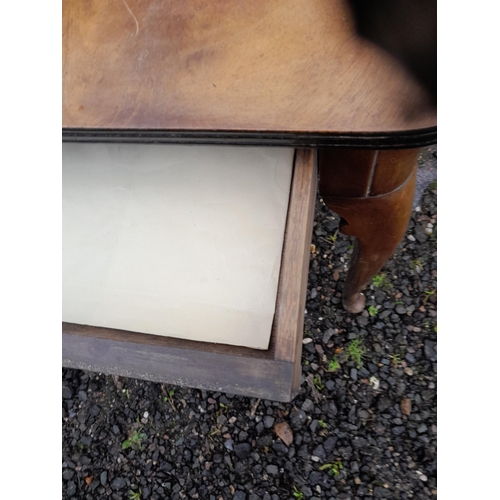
x=374 y=197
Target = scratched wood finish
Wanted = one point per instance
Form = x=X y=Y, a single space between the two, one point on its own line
x=271 y=374
x=378 y=218
x=260 y=67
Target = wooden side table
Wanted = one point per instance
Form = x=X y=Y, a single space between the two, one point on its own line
x=257 y=73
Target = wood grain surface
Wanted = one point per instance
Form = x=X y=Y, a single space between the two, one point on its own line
x=291 y=303
x=215 y=371
x=204 y=67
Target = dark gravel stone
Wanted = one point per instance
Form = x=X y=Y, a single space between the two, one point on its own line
x=307 y=405
x=103 y=478
x=71 y=489
x=242 y=450
x=329 y=444
x=382 y=493
x=307 y=491
x=362 y=321
x=94 y=411
x=86 y=441
x=68 y=474
x=303 y=452
x=383 y=403
x=82 y=396
x=268 y=422
x=359 y=443
x=420 y=233
x=118 y=483
x=239 y=495
x=265 y=440
x=319 y=451
x=363 y=414
x=430 y=350
x=328 y=335
x=332 y=409
x=398 y=430
x=279 y=448
x=313 y=426
x=67 y=393
x=410 y=358
x=422 y=428
x=272 y=469
x=297 y=419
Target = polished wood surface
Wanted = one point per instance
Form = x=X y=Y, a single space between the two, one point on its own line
x=236 y=72
x=271 y=374
x=376 y=211
x=406 y=29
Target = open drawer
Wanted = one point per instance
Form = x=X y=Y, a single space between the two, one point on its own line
x=193 y=332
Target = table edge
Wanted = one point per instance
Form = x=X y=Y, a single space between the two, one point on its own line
x=379 y=140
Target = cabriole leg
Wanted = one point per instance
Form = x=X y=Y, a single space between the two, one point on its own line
x=373 y=193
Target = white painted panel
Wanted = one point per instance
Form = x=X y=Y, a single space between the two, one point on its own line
x=183 y=241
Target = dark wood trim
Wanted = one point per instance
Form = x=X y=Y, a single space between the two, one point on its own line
x=270 y=374
x=248 y=376
x=390 y=140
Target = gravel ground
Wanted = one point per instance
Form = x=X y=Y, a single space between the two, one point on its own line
x=362 y=426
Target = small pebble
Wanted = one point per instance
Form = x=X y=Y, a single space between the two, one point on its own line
x=268 y=421
x=272 y=469
x=375 y=382
x=410 y=358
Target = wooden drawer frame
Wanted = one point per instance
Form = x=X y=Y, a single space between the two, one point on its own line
x=270 y=374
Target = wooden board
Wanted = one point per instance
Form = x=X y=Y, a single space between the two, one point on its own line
x=272 y=374
x=184 y=241
x=287 y=72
